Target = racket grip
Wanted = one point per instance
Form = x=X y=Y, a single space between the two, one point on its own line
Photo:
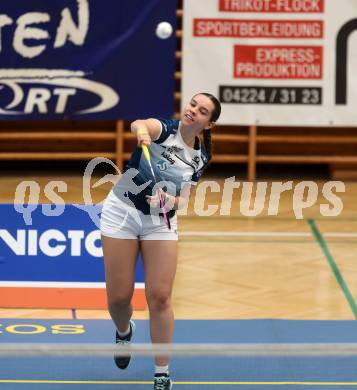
x=146 y=152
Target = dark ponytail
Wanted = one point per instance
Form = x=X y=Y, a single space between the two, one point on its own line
x=207 y=138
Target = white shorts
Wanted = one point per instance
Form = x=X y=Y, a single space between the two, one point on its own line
x=119 y=220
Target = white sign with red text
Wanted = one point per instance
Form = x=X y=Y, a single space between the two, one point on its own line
x=273 y=62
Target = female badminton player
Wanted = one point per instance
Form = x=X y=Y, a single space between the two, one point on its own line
x=133 y=219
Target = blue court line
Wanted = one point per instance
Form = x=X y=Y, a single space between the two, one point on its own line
x=26 y=330
x=333 y=266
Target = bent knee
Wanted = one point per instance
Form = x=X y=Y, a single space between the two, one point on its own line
x=119 y=301
x=159 y=300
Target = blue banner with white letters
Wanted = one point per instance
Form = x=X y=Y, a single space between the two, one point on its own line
x=53 y=243
x=86 y=59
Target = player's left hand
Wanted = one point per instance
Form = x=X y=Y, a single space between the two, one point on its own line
x=154 y=200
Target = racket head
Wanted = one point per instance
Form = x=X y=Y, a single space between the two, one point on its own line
x=161 y=199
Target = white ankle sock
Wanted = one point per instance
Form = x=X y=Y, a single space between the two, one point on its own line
x=162 y=370
x=123 y=334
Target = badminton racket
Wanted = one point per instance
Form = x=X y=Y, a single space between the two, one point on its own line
x=161 y=199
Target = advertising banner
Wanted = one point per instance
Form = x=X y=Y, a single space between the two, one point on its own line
x=86 y=59
x=273 y=62
x=55 y=260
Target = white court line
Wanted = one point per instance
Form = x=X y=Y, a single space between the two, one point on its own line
x=244 y=234
x=343 y=235
x=196 y=233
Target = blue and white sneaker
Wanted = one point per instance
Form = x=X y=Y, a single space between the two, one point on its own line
x=162 y=382
x=122 y=362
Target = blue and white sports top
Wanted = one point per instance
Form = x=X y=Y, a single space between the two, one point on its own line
x=173 y=162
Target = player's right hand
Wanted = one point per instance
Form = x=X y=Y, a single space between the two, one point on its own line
x=143 y=138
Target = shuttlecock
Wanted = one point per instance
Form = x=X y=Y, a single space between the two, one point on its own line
x=164 y=30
